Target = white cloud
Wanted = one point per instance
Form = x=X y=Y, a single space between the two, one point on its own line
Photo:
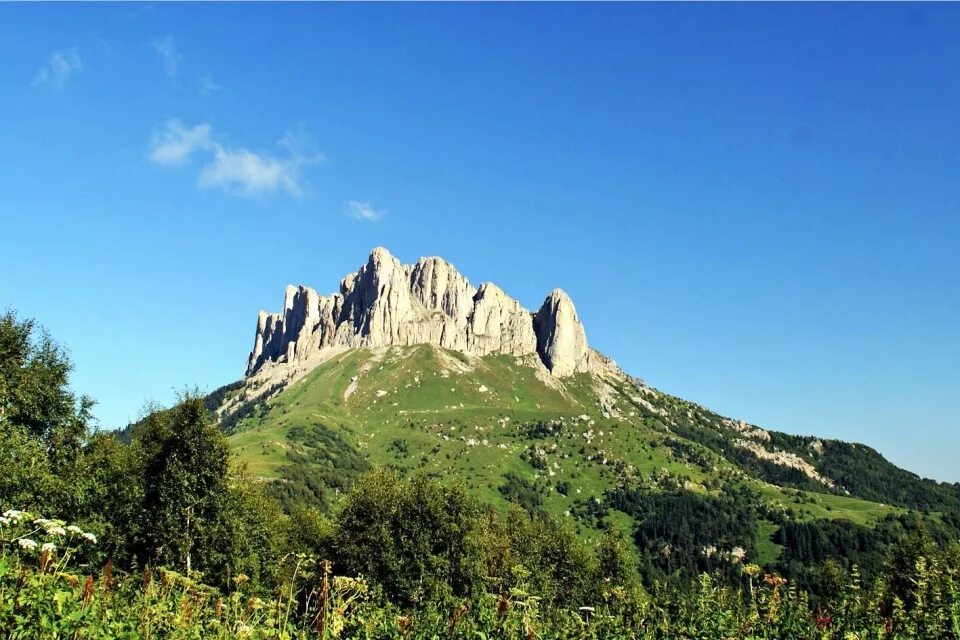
x=237 y=171
x=58 y=69
x=247 y=173
x=364 y=211
x=208 y=85
x=167 y=49
x=176 y=144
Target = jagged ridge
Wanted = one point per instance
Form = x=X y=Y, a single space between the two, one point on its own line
x=387 y=303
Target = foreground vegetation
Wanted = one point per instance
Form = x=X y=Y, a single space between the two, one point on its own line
x=168 y=537
x=43 y=594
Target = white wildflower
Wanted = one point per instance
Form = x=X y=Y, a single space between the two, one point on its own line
x=89 y=537
x=4 y=521
x=14 y=515
x=42 y=522
x=75 y=530
x=57 y=530
x=48 y=547
x=27 y=543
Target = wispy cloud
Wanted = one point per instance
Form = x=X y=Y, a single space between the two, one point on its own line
x=208 y=85
x=236 y=170
x=57 y=69
x=167 y=49
x=364 y=211
x=175 y=144
x=248 y=173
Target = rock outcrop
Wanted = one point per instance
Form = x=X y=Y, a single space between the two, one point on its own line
x=561 y=341
x=389 y=303
x=499 y=324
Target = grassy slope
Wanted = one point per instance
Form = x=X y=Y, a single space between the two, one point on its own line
x=421 y=408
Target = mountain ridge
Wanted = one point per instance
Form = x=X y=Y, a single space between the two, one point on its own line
x=386 y=303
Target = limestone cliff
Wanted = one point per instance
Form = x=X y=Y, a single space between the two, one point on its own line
x=561 y=341
x=389 y=303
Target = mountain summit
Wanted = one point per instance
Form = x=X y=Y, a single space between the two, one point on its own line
x=386 y=303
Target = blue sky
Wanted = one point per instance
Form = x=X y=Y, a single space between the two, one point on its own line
x=753 y=206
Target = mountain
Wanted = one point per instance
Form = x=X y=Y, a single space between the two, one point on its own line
x=412 y=367
x=386 y=303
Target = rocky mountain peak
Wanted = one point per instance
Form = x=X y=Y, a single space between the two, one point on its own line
x=388 y=303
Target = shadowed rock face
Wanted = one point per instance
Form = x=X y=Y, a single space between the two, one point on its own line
x=388 y=303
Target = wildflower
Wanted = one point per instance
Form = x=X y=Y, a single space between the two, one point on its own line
x=42 y=522
x=823 y=620
x=774 y=580
x=27 y=543
x=107 y=575
x=48 y=547
x=75 y=530
x=88 y=589
x=89 y=537
x=4 y=521
x=57 y=530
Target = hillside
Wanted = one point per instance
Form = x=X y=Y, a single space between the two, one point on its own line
x=482 y=419
x=589 y=445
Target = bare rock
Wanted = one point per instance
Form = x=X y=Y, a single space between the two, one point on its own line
x=388 y=303
x=499 y=324
x=561 y=340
